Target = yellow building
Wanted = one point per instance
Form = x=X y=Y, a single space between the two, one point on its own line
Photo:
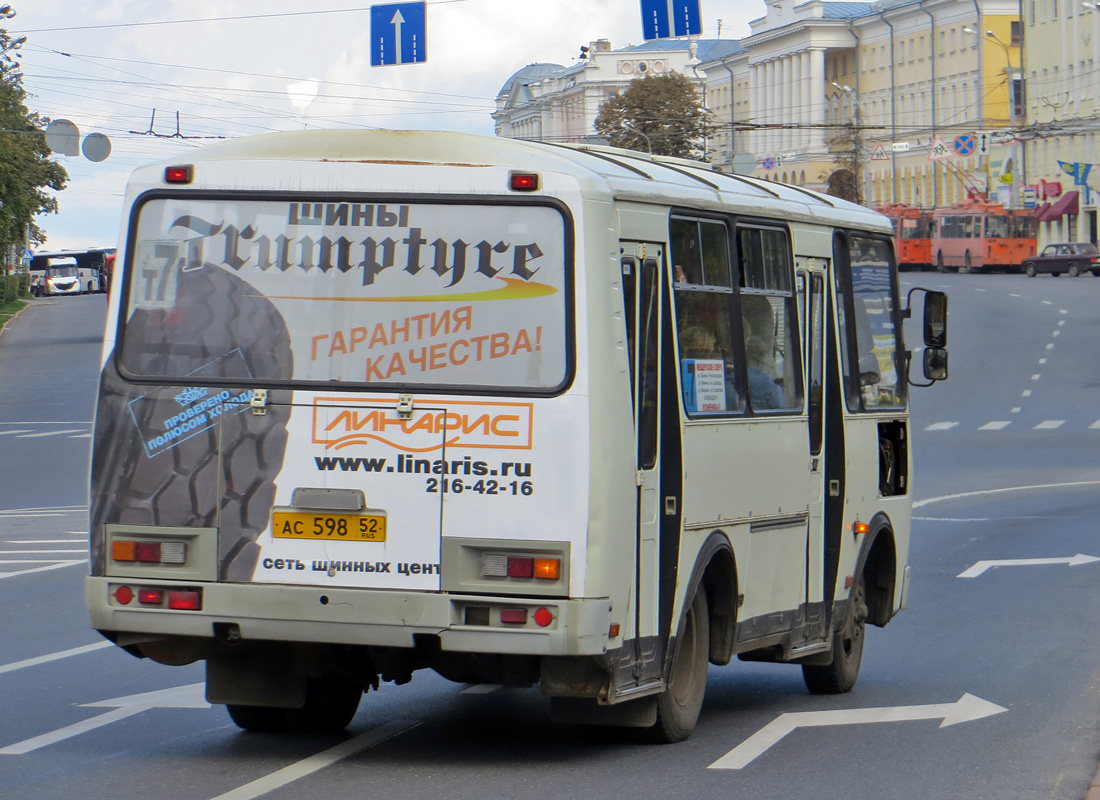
x=916 y=96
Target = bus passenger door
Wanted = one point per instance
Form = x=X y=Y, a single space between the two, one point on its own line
x=811 y=289
x=643 y=285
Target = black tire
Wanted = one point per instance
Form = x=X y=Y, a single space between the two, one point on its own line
x=679 y=705
x=1073 y=270
x=258 y=719
x=839 y=676
x=331 y=703
x=1030 y=270
x=223 y=476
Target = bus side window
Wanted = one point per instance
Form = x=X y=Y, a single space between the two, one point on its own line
x=701 y=273
x=769 y=319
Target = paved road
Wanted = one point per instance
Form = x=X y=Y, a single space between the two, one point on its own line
x=1017 y=635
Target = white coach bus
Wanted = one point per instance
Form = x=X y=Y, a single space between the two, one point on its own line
x=527 y=414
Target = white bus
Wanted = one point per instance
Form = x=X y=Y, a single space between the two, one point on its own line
x=566 y=416
x=71 y=271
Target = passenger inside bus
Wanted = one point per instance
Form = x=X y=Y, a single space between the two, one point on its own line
x=759 y=327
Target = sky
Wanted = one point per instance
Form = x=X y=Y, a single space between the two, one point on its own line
x=232 y=68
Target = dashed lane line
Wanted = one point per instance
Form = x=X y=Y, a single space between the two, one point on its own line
x=46 y=568
x=34 y=662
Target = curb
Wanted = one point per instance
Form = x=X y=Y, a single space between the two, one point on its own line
x=1094 y=788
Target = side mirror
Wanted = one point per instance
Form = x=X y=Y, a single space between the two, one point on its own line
x=935 y=364
x=935 y=321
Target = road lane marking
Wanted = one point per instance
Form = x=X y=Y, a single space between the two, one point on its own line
x=982 y=566
x=34 y=662
x=32 y=552
x=189 y=696
x=1017 y=410
x=994 y=426
x=319 y=761
x=1026 y=393
x=966 y=709
x=981 y=492
x=1036 y=377
x=941 y=426
x=39 y=541
x=46 y=433
x=16 y=573
x=1050 y=424
x=1095 y=425
x=7 y=433
x=481 y=688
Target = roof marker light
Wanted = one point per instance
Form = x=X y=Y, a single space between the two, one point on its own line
x=181 y=174
x=523 y=181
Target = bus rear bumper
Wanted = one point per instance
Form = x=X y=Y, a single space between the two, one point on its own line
x=281 y=613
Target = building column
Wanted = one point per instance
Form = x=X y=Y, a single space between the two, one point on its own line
x=798 y=100
x=816 y=108
x=756 y=81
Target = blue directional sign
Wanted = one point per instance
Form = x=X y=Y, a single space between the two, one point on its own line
x=663 y=19
x=398 y=34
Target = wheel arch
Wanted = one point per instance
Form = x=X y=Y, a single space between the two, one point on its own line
x=878 y=563
x=715 y=571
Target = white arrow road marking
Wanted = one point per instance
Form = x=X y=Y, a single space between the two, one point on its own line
x=982 y=566
x=966 y=708
x=190 y=696
x=397 y=21
x=319 y=761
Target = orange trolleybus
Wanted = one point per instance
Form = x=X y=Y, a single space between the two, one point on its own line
x=913 y=231
x=982 y=236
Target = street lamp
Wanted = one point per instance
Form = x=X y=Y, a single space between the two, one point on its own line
x=630 y=127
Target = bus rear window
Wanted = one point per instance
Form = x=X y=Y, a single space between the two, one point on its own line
x=449 y=295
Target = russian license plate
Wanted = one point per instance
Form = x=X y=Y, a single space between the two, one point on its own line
x=330 y=527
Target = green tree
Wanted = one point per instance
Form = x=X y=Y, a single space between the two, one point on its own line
x=661 y=114
x=26 y=168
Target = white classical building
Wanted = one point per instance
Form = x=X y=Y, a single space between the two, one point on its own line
x=556 y=103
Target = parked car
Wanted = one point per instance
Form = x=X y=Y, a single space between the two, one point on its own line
x=1072 y=258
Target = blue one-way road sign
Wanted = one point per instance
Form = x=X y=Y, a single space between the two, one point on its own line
x=663 y=19
x=398 y=34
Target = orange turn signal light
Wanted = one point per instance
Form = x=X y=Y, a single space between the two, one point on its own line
x=860 y=527
x=123 y=551
x=548 y=568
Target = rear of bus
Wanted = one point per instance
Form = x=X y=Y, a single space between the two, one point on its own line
x=342 y=430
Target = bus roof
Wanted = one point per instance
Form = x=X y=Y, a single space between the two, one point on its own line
x=624 y=174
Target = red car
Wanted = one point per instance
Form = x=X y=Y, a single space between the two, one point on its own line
x=1072 y=258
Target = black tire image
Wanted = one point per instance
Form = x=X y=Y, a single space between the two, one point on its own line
x=222 y=476
x=1030 y=270
x=839 y=676
x=331 y=703
x=679 y=705
x=1074 y=270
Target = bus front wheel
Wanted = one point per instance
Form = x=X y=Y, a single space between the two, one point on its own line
x=839 y=675
x=679 y=705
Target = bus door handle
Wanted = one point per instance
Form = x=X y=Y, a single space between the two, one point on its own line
x=670 y=506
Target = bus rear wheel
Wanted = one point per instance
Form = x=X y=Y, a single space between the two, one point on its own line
x=839 y=675
x=331 y=703
x=679 y=705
